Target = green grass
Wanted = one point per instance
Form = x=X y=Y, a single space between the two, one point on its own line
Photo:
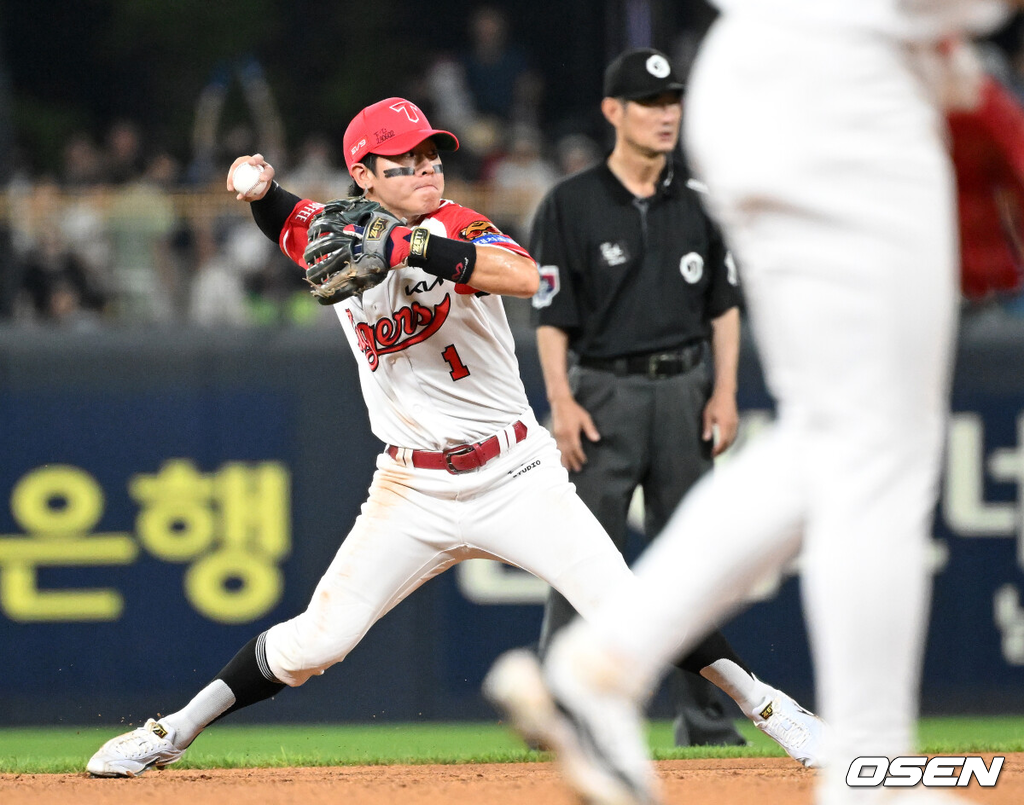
x=63 y=749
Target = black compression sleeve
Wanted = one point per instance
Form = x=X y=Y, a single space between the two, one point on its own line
x=443 y=257
x=271 y=211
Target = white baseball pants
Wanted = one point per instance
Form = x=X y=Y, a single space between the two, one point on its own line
x=519 y=508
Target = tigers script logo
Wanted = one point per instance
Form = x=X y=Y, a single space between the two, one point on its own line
x=412 y=324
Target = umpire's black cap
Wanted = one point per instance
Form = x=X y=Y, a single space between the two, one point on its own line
x=641 y=73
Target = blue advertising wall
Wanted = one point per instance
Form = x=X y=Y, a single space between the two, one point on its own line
x=166 y=496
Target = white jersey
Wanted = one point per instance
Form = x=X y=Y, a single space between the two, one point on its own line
x=916 y=20
x=437 y=361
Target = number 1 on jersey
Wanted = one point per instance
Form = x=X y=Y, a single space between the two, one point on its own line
x=451 y=357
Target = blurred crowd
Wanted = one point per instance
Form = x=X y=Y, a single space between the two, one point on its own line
x=130 y=232
x=127 y=233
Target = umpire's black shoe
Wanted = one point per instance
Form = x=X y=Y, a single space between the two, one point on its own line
x=701 y=729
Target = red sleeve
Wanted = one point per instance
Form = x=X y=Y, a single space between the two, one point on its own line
x=463 y=223
x=988 y=152
x=293 y=238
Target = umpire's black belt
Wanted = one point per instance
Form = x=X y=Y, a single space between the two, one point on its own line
x=653 y=365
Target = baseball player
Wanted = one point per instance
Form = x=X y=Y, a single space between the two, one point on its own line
x=467 y=471
x=638 y=293
x=818 y=131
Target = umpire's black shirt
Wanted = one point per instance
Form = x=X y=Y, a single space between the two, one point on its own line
x=627 y=276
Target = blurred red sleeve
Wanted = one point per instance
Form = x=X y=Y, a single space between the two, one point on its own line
x=988 y=152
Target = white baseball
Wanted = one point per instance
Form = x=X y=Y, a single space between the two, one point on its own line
x=248 y=179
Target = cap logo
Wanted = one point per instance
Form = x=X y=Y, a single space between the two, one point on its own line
x=355 y=148
x=657 y=65
x=411 y=110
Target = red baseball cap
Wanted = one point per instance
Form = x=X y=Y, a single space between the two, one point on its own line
x=390 y=127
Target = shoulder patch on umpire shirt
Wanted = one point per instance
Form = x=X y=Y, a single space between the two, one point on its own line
x=732 y=274
x=550 y=285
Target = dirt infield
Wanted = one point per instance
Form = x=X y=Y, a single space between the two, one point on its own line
x=761 y=781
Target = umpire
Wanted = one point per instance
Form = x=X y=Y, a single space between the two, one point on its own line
x=637 y=285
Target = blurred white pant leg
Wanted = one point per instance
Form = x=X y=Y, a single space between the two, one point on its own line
x=736 y=526
x=826 y=168
x=838 y=200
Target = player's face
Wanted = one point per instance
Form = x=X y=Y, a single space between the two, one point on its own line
x=652 y=124
x=411 y=184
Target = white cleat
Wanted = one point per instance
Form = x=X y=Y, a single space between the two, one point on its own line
x=597 y=737
x=795 y=729
x=130 y=754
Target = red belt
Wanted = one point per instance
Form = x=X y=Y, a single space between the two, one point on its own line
x=464 y=458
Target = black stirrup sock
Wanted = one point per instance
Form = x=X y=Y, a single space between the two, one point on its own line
x=711 y=648
x=249 y=676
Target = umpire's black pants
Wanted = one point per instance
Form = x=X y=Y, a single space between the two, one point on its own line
x=651 y=431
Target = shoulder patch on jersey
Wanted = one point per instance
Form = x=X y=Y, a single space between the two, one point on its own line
x=550 y=285
x=699 y=186
x=495 y=237
x=478 y=229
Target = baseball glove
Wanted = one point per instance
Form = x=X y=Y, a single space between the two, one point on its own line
x=347 y=251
